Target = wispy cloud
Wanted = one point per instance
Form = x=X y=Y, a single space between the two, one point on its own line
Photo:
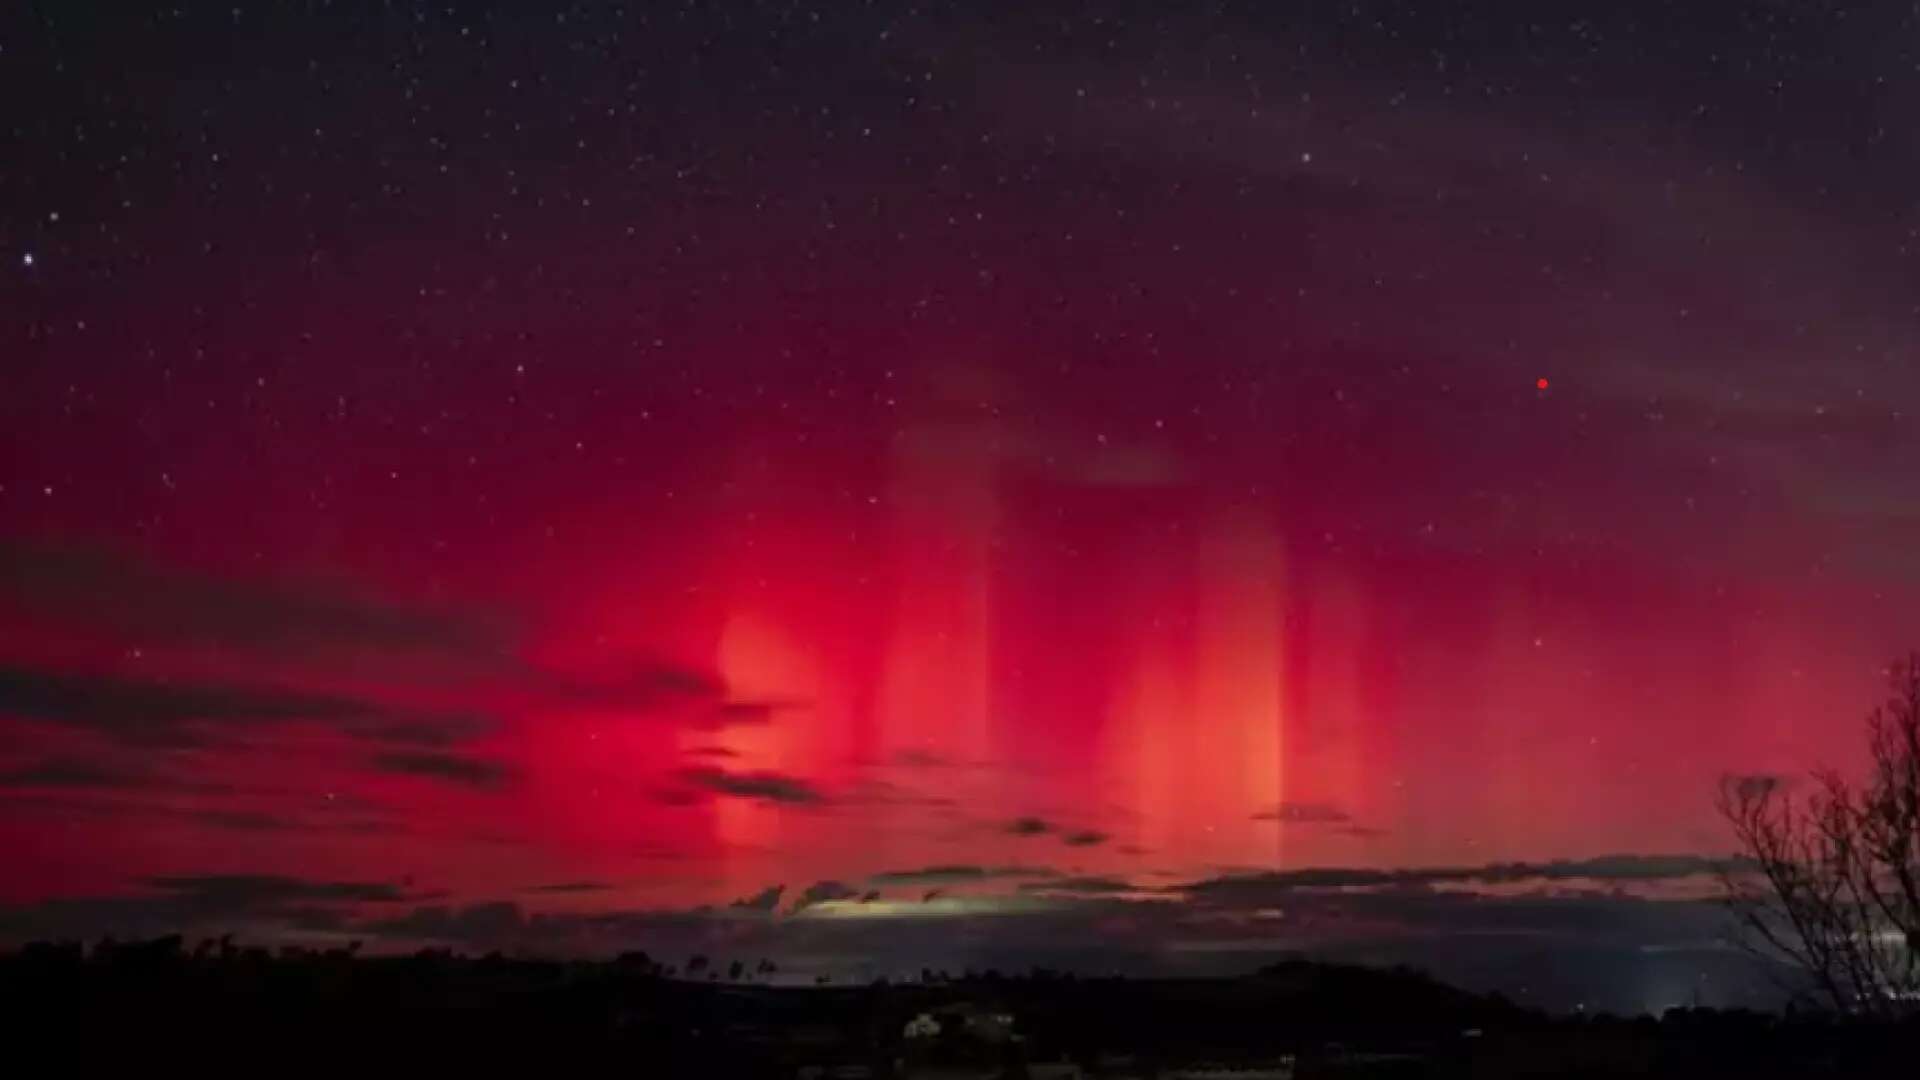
x=689 y=696
x=135 y=597
x=1304 y=813
x=1082 y=886
x=248 y=890
x=570 y=887
x=156 y=713
x=70 y=808
x=74 y=773
x=767 y=786
x=1276 y=884
x=1037 y=826
x=749 y=713
x=456 y=768
x=957 y=874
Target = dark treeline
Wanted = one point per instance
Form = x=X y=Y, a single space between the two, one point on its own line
x=218 y=1005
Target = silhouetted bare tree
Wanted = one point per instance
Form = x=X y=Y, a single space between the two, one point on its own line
x=1834 y=885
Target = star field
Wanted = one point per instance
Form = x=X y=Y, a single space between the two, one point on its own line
x=687 y=448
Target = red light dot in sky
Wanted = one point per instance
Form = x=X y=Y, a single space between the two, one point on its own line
x=1541 y=383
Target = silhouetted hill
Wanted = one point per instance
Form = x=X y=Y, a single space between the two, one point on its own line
x=218 y=1005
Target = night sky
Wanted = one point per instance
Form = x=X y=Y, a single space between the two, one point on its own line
x=1149 y=485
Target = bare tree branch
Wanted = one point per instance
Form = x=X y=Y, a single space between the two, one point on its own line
x=1837 y=889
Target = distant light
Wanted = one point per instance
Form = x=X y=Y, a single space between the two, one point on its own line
x=1540 y=384
x=27 y=259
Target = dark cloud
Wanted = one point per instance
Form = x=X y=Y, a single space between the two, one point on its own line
x=72 y=773
x=713 y=752
x=252 y=890
x=957 y=874
x=1296 y=813
x=690 y=696
x=752 y=713
x=571 y=887
x=1619 y=868
x=162 y=714
x=136 y=598
x=928 y=759
x=68 y=808
x=872 y=791
x=246 y=820
x=1034 y=826
x=439 y=731
x=822 y=891
x=309 y=622
x=666 y=681
x=766 y=900
x=157 y=713
x=198 y=903
x=652 y=686
x=1277 y=884
x=455 y=768
x=770 y=786
x=1082 y=886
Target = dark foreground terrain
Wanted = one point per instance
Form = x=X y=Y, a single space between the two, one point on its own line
x=217 y=1008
